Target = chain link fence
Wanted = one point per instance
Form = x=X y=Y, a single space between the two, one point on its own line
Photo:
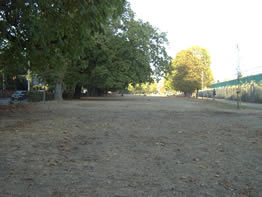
x=250 y=89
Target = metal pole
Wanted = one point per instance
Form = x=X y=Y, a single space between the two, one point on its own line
x=238 y=92
x=238 y=77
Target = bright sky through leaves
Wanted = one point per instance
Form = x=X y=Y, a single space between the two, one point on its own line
x=217 y=25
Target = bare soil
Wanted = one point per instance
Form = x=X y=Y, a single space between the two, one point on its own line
x=130 y=146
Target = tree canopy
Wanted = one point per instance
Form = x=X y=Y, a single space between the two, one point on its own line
x=127 y=51
x=188 y=66
x=97 y=44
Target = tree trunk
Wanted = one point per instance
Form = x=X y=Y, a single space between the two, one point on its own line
x=78 y=89
x=58 y=91
x=197 y=93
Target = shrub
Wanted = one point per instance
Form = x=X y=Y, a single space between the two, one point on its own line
x=67 y=95
x=37 y=96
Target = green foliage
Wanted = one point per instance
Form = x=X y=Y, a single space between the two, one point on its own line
x=68 y=95
x=97 y=44
x=52 y=35
x=129 y=51
x=13 y=82
x=187 y=70
x=168 y=82
x=145 y=88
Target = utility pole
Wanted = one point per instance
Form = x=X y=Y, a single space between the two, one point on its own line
x=238 y=76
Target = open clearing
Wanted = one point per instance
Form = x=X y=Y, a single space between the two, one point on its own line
x=130 y=146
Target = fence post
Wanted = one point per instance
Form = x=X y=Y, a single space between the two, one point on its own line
x=238 y=98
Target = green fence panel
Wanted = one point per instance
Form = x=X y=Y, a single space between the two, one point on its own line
x=243 y=80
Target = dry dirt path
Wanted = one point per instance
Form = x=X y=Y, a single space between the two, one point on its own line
x=131 y=146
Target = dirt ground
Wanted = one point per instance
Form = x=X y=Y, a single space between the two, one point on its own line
x=130 y=146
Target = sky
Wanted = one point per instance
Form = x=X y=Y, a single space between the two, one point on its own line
x=217 y=25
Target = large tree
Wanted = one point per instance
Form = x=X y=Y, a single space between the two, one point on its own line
x=187 y=70
x=98 y=44
x=128 y=51
x=52 y=35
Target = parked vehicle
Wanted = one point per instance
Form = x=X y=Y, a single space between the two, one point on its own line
x=19 y=95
